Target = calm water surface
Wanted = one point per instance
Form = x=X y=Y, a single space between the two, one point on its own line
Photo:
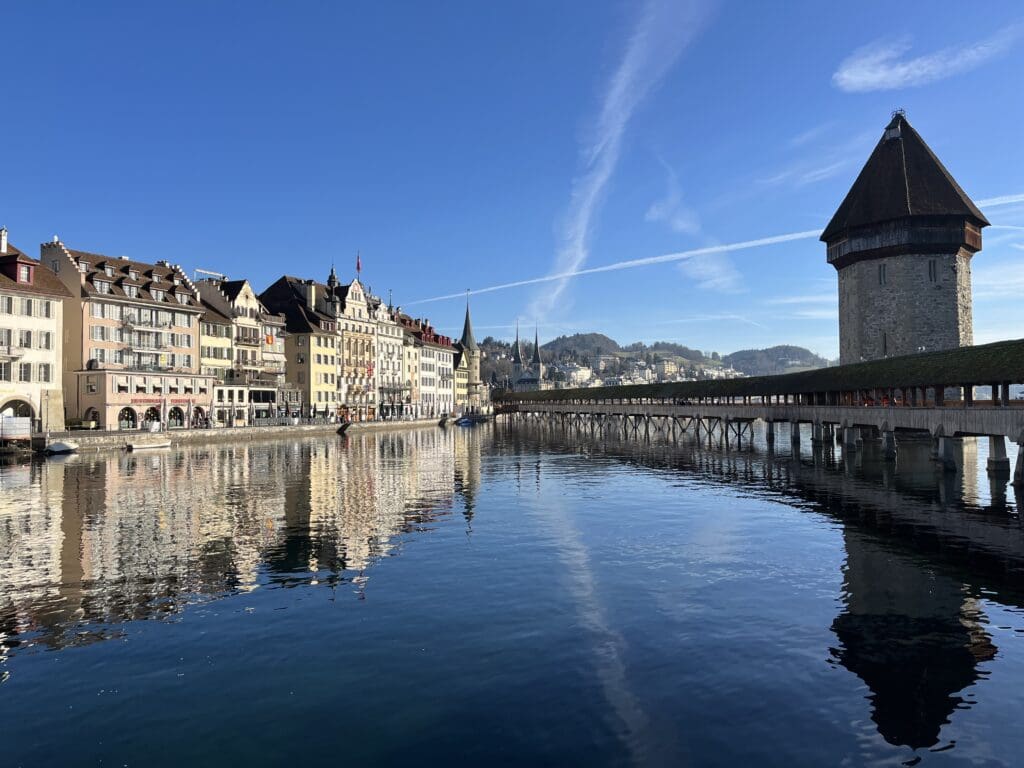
x=493 y=596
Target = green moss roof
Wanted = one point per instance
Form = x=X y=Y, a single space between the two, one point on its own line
x=998 y=363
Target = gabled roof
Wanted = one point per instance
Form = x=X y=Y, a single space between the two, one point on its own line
x=44 y=282
x=901 y=178
x=231 y=288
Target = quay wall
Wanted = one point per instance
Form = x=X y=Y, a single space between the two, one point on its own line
x=88 y=441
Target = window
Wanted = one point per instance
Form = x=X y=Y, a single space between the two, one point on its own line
x=24 y=273
x=881 y=274
x=102 y=286
x=25 y=341
x=83 y=266
x=933 y=271
x=5 y=371
x=47 y=307
x=44 y=372
x=131 y=291
x=45 y=340
x=55 y=265
x=25 y=372
x=108 y=271
x=157 y=294
x=885 y=344
x=7 y=305
x=134 y=275
x=27 y=307
x=182 y=298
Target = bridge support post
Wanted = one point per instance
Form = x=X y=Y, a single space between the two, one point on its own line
x=947 y=458
x=851 y=438
x=794 y=433
x=817 y=433
x=889 y=445
x=1018 y=472
x=769 y=433
x=997 y=459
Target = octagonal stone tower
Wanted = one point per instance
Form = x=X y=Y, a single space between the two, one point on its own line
x=902 y=242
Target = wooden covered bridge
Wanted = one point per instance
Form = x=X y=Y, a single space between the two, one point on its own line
x=934 y=393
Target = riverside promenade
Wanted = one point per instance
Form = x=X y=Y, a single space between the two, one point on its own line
x=117 y=440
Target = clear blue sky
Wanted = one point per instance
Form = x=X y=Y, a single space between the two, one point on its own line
x=467 y=145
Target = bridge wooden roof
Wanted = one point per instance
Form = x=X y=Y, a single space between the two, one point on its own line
x=998 y=363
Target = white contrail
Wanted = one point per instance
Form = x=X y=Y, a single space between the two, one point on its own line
x=632 y=263
x=992 y=202
x=664 y=29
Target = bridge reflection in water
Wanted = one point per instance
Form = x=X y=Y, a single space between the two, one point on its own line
x=924 y=552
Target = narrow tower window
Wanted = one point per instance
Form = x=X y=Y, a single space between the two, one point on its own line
x=881 y=274
x=933 y=270
x=885 y=345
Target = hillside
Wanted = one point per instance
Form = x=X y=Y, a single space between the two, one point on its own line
x=780 y=359
x=580 y=345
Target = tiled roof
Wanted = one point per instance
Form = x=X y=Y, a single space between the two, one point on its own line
x=901 y=178
x=44 y=282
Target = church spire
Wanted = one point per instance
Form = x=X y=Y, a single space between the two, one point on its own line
x=467 y=341
x=517 y=349
x=536 y=347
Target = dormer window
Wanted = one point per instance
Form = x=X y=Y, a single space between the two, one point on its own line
x=24 y=273
x=131 y=291
x=182 y=298
x=157 y=294
x=102 y=286
x=134 y=275
x=108 y=270
x=83 y=266
x=177 y=281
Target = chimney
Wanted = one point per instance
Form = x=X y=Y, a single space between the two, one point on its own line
x=3 y=240
x=309 y=289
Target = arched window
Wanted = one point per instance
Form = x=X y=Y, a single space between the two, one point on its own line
x=127 y=419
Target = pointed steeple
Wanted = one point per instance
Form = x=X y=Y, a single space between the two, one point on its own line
x=536 y=347
x=517 y=349
x=467 y=341
x=332 y=279
x=901 y=179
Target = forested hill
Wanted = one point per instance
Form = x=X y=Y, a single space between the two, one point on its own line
x=781 y=359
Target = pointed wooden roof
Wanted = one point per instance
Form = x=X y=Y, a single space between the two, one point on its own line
x=901 y=178
x=468 y=341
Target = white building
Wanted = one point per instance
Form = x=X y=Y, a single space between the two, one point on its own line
x=31 y=349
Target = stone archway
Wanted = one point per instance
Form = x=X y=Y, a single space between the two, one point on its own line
x=127 y=419
x=175 y=418
x=152 y=414
x=20 y=409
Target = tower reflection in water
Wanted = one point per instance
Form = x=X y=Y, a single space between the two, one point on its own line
x=923 y=553
x=93 y=541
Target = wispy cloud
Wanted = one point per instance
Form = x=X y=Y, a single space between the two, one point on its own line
x=713 y=272
x=993 y=281
x=664 y=29
x=671 y=210
x=880 y=66
x=817 y=298
x=811 y=134
x=994 y=202
x=633 y=264
x=822 y=165
x=711 y=317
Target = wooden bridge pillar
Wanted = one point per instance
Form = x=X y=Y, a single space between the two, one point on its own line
x=1018 y=472
x=817 y=433
x=794 y=433
x=769 y=432
x=947 y=457
x=997 y=459
x=889 y=445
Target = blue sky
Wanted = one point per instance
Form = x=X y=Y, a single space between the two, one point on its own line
x=471 y=145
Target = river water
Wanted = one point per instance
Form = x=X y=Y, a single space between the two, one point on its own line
x=509 y=596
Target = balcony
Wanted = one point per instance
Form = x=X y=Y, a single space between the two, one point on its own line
x=132 y=321
x=252 y=341
x=11 y=352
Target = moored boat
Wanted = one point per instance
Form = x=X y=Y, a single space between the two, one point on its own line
x=148 y=445
x=60 y=446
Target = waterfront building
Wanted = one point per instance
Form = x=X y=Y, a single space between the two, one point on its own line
x=215 y=356
x=393 y=386
x=355 y=308
x=411 y=369
x=902 y=242
x=313 y=341
x=131 y=350
x=31 y=343
x=436 y=360
x=250 y=386
x=475 y=398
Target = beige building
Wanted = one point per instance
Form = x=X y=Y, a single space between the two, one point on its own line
x=393 y=385
x=131 y=341
x=249 y=386
x=31 y=312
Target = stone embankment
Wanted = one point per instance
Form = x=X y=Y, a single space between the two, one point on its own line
x=104 y=441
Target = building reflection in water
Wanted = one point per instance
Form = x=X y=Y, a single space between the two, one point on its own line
x=921 y=556
x=92 y=541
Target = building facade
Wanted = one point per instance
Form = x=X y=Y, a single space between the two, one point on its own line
x=393 y=386
x=131 y=341
x=31 y=343
x=902 y=242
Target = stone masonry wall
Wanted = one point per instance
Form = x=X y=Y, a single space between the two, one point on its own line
x=908 y=311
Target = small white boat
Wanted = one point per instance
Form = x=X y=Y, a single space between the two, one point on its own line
x=61 y=446
x=148 y=445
